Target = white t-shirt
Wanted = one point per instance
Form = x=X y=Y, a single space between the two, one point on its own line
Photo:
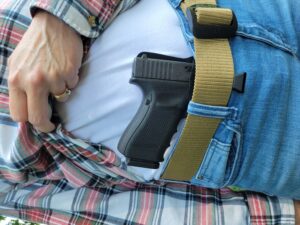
x=104 y=102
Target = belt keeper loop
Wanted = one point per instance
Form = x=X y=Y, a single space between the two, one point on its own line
x=210 y=31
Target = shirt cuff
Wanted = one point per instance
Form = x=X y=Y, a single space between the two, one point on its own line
x=86 y=17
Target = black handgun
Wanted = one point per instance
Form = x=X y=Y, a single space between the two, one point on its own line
x=167 y=85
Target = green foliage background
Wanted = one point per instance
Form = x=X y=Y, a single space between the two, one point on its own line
x=17 y=222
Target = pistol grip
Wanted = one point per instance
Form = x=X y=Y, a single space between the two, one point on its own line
x=167 y=84
x=148 y=135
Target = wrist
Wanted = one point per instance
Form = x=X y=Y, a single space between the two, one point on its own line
x=45 y=19
x=54 y=28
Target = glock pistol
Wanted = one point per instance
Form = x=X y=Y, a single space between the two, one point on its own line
x=167 y=85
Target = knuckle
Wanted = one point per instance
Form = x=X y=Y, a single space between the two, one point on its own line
x=71 y=70
x=53 y=77
x=74 y=82
x=37 y=79
x=13 y=80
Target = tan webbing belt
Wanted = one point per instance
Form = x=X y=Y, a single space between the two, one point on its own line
x=213 y=85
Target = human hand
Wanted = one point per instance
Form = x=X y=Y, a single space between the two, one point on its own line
x=46 y=61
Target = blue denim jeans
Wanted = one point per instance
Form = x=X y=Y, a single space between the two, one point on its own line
x=257 y=145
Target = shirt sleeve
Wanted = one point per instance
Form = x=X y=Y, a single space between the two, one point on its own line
x=87 y=17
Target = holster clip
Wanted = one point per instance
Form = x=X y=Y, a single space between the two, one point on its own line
x=216 y=29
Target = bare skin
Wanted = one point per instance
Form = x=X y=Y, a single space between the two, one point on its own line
x=46 y=61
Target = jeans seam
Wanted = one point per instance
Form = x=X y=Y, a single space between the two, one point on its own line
x=209 y=111
x=202 y=171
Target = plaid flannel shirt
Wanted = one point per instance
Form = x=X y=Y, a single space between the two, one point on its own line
x=57 y=179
